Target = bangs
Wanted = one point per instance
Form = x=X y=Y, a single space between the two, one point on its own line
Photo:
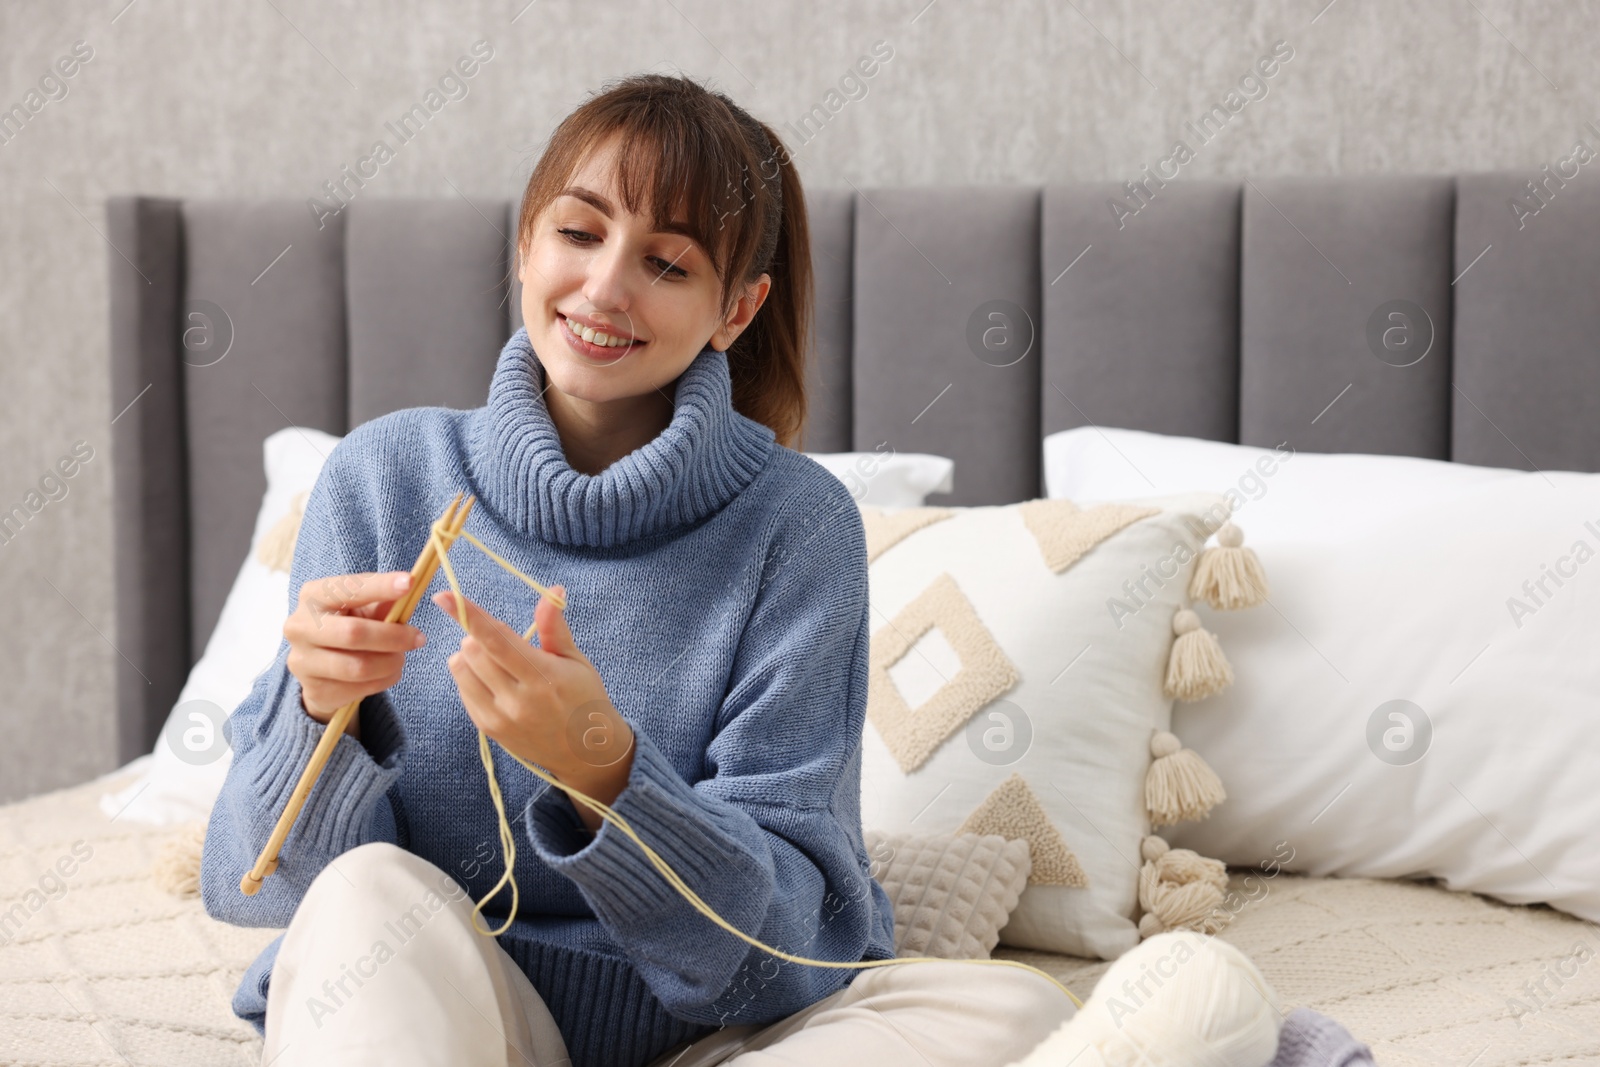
x=675 y=176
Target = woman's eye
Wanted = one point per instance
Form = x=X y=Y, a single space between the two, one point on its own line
x=670 y=269
x=582 y=237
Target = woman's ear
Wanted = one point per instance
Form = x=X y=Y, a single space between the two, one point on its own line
x=755 y=295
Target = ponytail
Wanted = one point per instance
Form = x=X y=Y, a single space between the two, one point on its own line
x=768 y=360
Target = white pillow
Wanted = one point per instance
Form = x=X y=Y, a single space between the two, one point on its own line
x=186 y=769
x=1394 y=579
x=889 y=479
x=1008 y=696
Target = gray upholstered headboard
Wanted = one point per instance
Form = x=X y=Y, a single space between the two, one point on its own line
x=1251 y=311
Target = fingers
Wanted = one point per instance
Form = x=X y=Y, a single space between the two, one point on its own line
x=554 y=635
x=504 y=647
x=346 y=592
x=487 y=667
x=369 y=635
x=477 y=619
x=331 y=678
x=355 y=633
x=337 y=650
x=355 y=668
x=477 y=697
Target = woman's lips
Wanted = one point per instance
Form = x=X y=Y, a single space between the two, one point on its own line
x=598 y=353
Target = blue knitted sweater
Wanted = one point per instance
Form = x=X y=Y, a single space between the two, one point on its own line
x=718 y=582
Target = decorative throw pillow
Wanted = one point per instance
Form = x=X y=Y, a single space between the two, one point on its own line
x=951 y=892
x=1024 y=662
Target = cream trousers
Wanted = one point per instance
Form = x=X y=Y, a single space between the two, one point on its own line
x=381 y=965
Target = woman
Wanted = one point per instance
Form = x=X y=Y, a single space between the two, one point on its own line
x=707 y=678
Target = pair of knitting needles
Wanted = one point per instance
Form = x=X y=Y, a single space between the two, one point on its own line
x=422 y=573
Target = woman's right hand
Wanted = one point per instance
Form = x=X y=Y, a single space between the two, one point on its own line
x=339 y=646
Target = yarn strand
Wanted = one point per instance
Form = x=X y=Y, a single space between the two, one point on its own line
x=439 y=536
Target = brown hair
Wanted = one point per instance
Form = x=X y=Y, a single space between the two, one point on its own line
x=744 y=206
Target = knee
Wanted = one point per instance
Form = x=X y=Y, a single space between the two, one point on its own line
x=1049 y=1002
x=378 y=866
x=363 y=887
x=1007 y=1011
x=997 y=992
x=374 y=857
x=1033 y=1002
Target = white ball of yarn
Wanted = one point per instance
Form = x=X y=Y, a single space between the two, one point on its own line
x=1177 y=999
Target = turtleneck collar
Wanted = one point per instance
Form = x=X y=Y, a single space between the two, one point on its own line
x=705 y=456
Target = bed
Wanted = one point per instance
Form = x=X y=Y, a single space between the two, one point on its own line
x=127 y=973
x=1233 y=311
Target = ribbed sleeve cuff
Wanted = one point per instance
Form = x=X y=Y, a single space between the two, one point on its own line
x=352 y=782
x=250 y=999
x=617 y=877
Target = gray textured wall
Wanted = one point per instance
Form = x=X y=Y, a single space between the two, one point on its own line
x=273 y=97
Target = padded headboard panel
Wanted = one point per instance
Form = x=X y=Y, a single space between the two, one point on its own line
x=963 y=321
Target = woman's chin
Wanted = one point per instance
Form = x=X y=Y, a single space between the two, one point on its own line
x=584 y=379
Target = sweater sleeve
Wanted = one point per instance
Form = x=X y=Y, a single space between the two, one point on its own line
x=772 y=840
x=273 y=736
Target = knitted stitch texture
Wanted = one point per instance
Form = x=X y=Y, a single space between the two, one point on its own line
x=718 y=582
x=1311 y=1039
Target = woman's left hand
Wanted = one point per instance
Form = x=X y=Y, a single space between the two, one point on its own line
x=546 y=704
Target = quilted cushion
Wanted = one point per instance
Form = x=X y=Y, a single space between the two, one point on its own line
x=951 y=892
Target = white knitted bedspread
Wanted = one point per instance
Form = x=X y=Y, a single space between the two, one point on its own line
x=115 y=971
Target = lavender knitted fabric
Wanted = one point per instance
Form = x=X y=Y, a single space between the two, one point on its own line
x=1311 y=1039
x=718 y=582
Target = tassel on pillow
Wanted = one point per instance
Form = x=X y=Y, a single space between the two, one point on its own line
x=1229 y=576
x=1180 y=890
x=1179 y=786
x=177 y=866
x=1196 y=667
x=276 y=551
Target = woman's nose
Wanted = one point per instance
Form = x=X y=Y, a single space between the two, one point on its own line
x=607 y=284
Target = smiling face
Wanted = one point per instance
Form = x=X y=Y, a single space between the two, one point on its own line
x=653 y=295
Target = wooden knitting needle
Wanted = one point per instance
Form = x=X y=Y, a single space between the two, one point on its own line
x=427 y=564
x=400 y=611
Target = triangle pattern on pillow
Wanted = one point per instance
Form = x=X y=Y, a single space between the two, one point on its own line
x=913 y=734
x=886 y=529
x=1014 y=812
x=1064 y=531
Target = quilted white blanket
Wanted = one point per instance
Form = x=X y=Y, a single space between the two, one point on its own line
x=99 y=966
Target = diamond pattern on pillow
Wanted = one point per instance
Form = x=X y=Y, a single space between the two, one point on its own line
x=912 y=734
x=1065 y=531
x=1012 y=811
x=952 y=893
x=884 y=530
